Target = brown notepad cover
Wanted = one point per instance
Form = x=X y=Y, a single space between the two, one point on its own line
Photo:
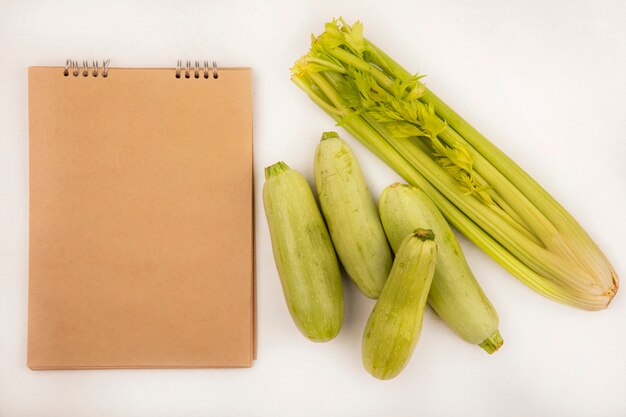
x=141 y=220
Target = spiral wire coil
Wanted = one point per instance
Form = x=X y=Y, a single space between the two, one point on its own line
x=205 y=71
x=75 y=69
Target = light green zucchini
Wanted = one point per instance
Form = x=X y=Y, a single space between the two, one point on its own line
x=394 y=326
x=455 y=294
x=304 y=255
x=351 y=215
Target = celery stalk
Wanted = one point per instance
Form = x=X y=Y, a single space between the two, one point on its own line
x=479 y=189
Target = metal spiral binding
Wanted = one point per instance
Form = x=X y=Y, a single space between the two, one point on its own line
x=187 y=69
x=73 y=68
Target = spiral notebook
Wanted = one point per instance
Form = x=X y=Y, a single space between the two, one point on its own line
x=141 y=217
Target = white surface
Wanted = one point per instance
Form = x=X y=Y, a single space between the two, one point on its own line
x=543 y=79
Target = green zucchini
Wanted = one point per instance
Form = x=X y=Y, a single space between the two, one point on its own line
x=351 y=215
x=455 y=294
x=304 y=254
x=394 y=326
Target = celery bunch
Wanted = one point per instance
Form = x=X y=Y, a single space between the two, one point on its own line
x=479 y=189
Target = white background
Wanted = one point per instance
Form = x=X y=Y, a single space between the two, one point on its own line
x=543 y=79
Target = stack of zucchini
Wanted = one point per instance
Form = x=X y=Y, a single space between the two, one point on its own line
x=428 y=265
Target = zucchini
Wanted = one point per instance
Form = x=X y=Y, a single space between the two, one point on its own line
x=394 y=326
x=455 y=294
x=351 y=215
x=304 y=255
